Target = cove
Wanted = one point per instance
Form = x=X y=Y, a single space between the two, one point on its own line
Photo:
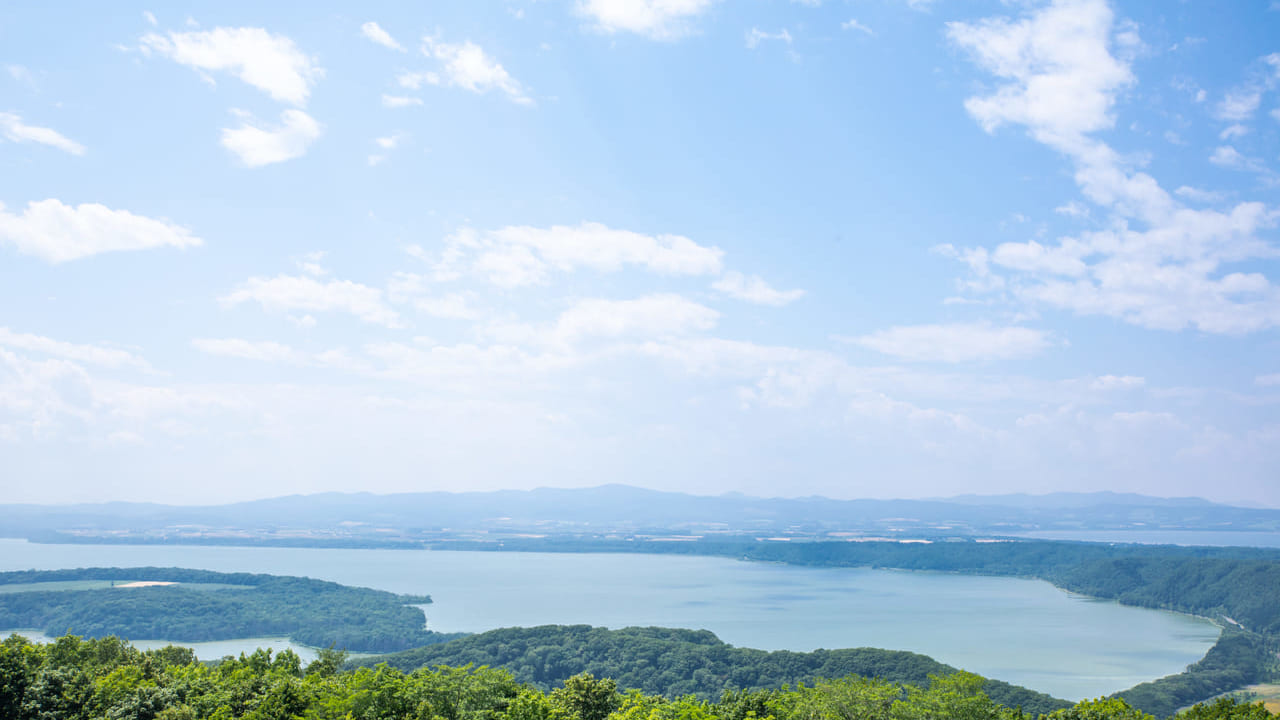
x=1018 y=630
x=213 y=650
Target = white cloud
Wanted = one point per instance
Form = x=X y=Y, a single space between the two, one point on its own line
x=269 y=351
x=1060 y=77
x=149 y=17
x=60 y=399
x=1062 y=259
x=521 y=255
x=755 y=36
x=257 y=145
x=399 y=101
x=91 y=354
x=1199 y=195
x=1267 y=380
x=452 y=306
x=21 y=74
x=271 y=63
x=389 y=142
x=264 y=350
x=373 y=32
x=1228 y=157
x=853 y=24
x=14 y=130
x=955 y=343
x=465 y=366
x=654 y=19
x=413 y=288
x=650 y=316
x=1074 y=208
x=1239 y=104
x=1118 y=382
x=309 y=263
x=1157 y=264
x=468 y=66
x=754 y=289
x=289 y=293
x=1233 y=131
x=415 y=80
x=59 y=233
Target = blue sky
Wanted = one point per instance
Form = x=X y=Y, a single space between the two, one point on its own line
x=884 y=248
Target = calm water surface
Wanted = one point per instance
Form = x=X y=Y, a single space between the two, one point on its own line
x=1023 y=631
x=204 y=650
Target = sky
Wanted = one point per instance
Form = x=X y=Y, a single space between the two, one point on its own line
x=854 y=248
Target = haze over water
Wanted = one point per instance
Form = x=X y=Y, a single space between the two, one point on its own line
x=1022 y=631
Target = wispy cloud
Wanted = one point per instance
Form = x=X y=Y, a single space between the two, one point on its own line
x=91 y=354
x=853 y=24
x=755 y=36
x=957 y=343
x=653 y=19
x=270 y=63
x=255 y=144
x=306 y=293
x=465 y=65
x=522 y=255
x=754 y=289
x=15 y=130
x=400 y=101
x=374 y=33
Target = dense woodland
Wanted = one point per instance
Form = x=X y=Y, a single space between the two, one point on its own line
x=674 y=663
x=309 y=612
x=74 y=679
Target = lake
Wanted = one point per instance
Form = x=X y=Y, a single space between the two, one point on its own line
x=1022 y=631
x=204 y=650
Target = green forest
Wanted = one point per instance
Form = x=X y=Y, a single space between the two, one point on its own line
x=75 y=679
x=309 y=612
x=674 y=663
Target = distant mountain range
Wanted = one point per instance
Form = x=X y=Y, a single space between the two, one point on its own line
x=620 y=510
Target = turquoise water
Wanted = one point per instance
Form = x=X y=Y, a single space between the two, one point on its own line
x=215 y=650
x=1023 y=631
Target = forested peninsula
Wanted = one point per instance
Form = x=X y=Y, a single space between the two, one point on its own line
x=675 y=663
x=201 y=605
x=74 y=679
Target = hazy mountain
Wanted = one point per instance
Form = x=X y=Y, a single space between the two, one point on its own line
x=624 y=509
x=1078 y=500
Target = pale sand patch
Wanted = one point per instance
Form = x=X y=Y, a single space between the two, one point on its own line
x=145 y=583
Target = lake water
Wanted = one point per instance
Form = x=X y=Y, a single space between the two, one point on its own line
x=204 y=650
x=1022 y=631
